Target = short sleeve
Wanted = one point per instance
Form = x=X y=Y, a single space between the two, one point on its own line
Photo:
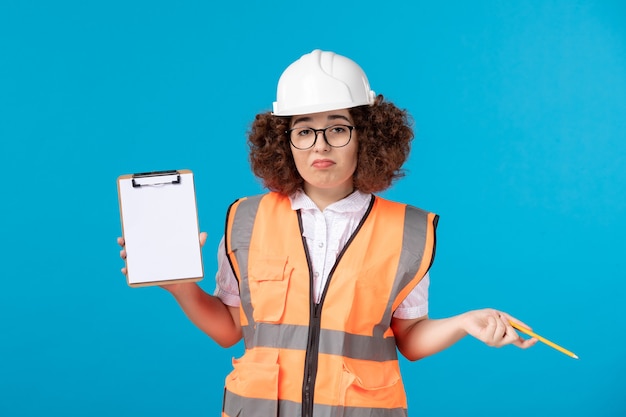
x=416 y=303
x=226 y=285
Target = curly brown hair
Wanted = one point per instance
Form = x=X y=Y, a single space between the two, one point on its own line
x=384 y=137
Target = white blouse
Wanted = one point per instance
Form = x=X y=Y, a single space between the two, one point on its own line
x=326 y=234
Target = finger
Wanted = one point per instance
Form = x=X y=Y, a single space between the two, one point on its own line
x=203 y=236
x=503 y=318
x=510 y=335
x=491 y=331
x=500 y=331
x=526 y=343
x=124 y=270
x=513 y=319
x=120 y=241
x=522 y=343
x=123 y=254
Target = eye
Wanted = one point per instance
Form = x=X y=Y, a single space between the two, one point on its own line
x=338 y=129
x=304 y=131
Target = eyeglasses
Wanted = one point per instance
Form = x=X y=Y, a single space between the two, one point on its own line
x=335 y=136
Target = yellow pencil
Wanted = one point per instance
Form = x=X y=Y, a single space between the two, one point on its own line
x=542 y=339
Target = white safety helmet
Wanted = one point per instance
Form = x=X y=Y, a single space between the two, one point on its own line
x=321 y=81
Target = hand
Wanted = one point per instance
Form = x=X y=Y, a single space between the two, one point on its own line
x=170 y=287
x=493 y=327
x=120 y=241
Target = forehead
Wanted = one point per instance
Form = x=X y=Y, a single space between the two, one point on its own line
x=332 y=116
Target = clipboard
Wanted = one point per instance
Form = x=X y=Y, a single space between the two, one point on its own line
x=159 y=219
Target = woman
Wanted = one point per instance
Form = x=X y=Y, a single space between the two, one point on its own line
x=325 y=280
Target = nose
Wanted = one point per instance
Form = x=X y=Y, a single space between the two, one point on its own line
x=320 y=142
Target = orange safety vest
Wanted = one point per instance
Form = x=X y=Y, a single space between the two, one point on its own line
x=337 y=357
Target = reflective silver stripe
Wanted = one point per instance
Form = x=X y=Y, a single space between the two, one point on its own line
x=256 y=407
x=413 y=245
x=283 y=336
x=253 y=407
x=248 y=333
x=240 y=236
x=333 y=342
x=356 y=346
x=342 y=411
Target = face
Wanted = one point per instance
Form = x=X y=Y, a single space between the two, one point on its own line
x=325 y=168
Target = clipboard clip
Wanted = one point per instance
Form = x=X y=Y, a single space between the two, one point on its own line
x=155 y=178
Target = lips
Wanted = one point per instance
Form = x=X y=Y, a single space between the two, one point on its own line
x=322 y=163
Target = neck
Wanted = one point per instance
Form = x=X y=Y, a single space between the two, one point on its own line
x=324 y=197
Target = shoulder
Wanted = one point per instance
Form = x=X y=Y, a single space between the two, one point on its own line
x=250 y=205
x=410 y=213
x=248 y=200
x=385 y=203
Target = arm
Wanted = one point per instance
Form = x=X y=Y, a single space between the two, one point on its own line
x=208 y=313
x=421 y=337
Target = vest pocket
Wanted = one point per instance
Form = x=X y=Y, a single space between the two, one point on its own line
x=269 y=280
x=376 y=384
x=254 y=381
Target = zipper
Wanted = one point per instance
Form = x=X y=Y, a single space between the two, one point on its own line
x=312 y=346
x=315 y=314
x=310 y=361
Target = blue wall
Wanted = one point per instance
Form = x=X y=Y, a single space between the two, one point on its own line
x=520 y=114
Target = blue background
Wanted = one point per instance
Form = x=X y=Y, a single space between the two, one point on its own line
x=520 y=114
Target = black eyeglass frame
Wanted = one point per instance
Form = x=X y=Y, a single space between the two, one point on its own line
x=315 y=131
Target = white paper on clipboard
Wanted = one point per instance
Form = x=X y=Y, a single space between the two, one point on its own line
x=160 y=227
